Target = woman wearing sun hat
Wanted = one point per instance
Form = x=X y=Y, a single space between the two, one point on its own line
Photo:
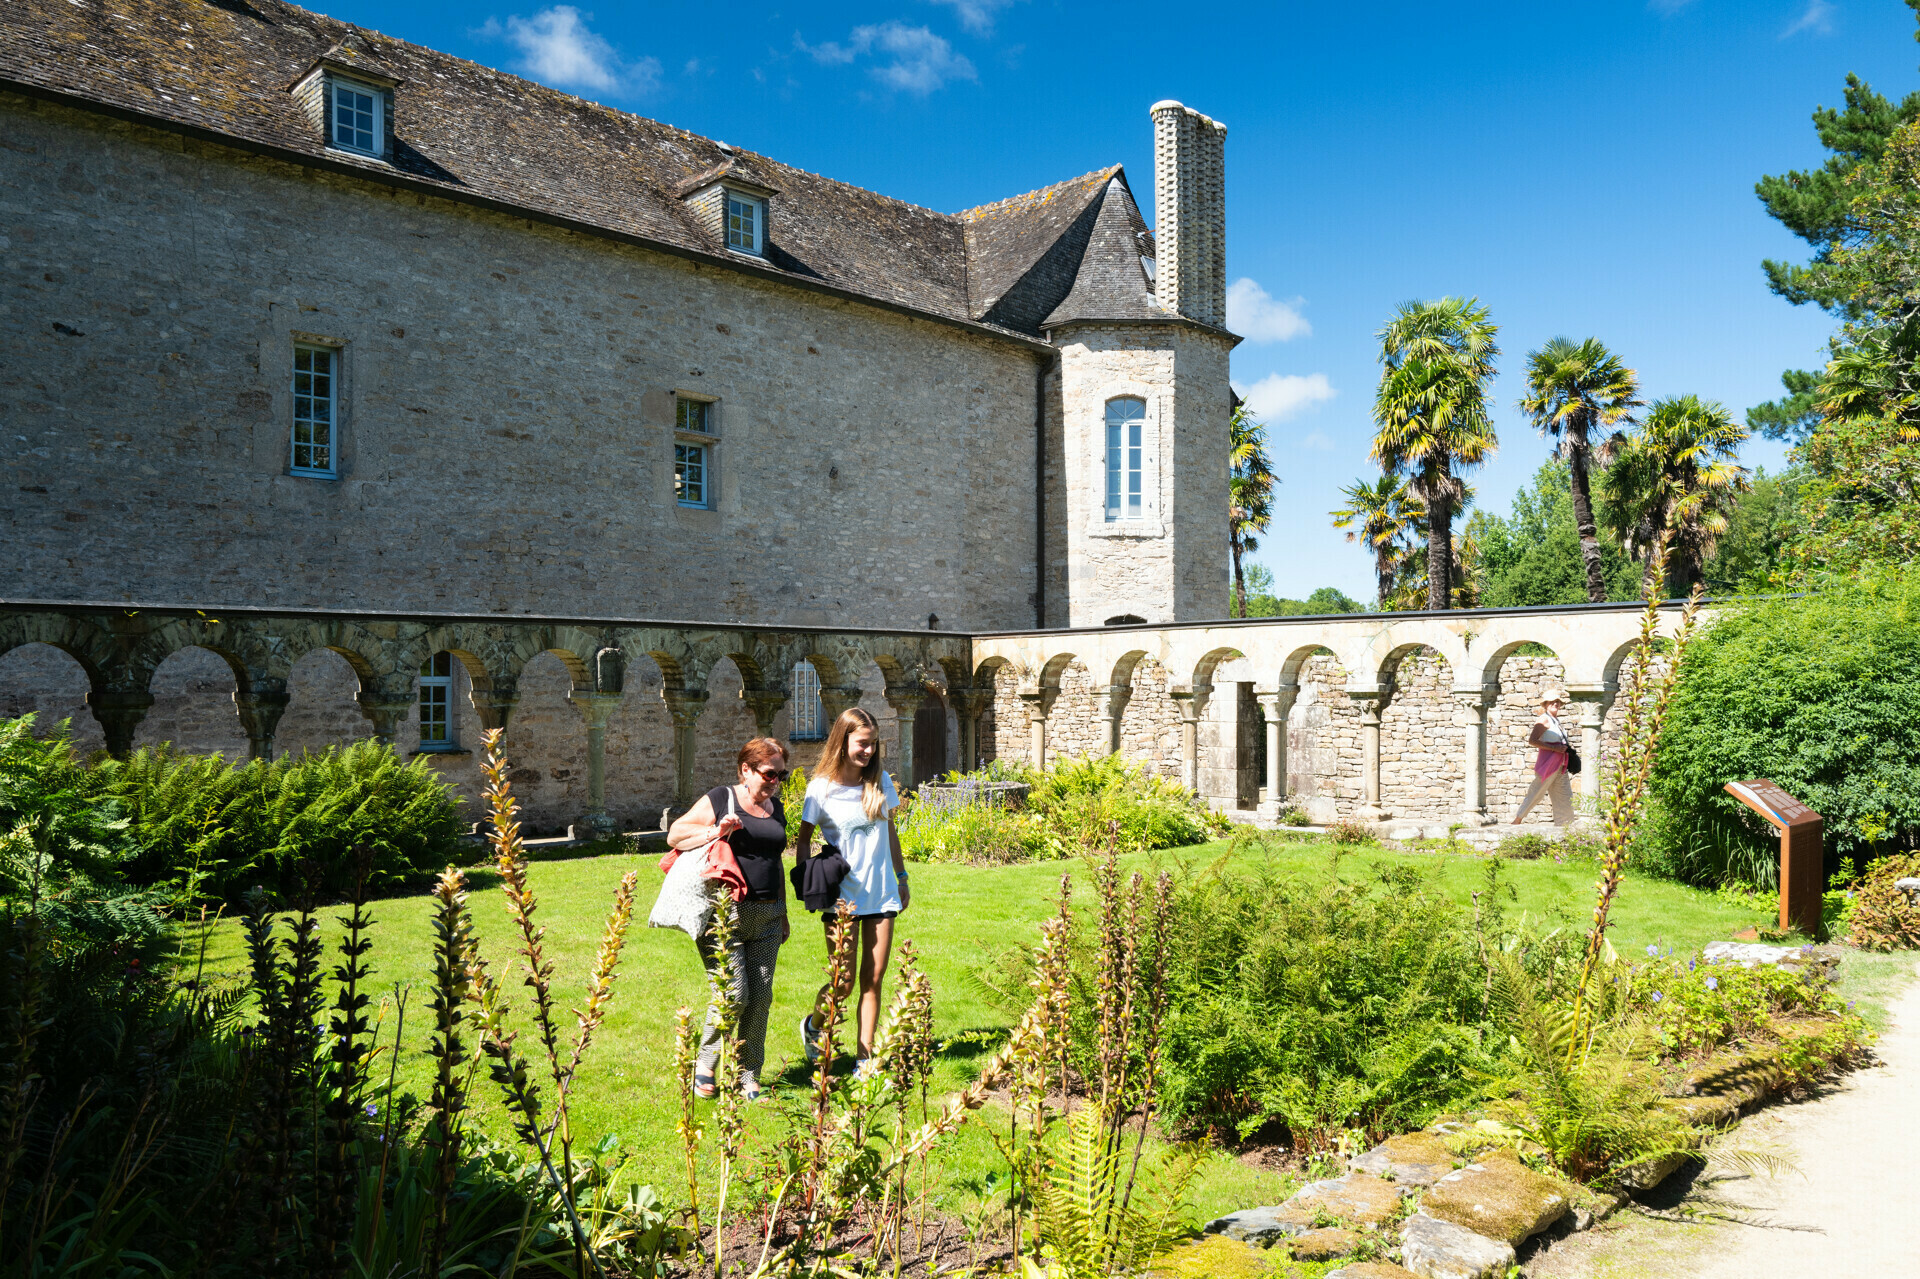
x=1550 y=765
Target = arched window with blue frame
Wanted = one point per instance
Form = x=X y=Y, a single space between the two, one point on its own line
x=1126 y=449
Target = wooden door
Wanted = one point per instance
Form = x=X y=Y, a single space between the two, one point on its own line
x=930 y=739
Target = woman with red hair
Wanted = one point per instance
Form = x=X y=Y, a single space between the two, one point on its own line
x=749 y=816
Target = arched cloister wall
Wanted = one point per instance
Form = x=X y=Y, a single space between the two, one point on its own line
x=1510 y=721
x=1323 y=741
x=193 y=705
x=321 y=711
x=40 y=680
x=1150 y=724
x=1422 y=766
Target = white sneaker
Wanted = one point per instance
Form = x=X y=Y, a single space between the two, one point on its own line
x=809 y=1039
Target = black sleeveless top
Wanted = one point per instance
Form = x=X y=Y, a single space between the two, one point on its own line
x=757 y=845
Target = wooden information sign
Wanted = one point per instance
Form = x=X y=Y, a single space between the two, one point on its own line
x=1802 y=856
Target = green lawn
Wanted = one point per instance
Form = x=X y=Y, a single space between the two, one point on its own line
x=961 y=917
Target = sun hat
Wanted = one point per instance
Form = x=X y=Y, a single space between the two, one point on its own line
x=1553 y=693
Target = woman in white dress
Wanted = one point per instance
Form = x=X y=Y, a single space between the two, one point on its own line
x=1550 y=765
x=850 y=801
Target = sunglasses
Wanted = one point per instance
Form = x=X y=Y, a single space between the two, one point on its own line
x=772 y=774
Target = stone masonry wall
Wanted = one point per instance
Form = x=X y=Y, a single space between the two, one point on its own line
x=507 y=409
x=546 y=740
x=1422 y=735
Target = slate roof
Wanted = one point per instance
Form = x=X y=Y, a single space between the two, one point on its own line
x=223 y=69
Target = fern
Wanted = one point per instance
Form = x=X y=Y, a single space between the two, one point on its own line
x=1091 y=1228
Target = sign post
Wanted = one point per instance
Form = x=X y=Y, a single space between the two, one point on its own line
x=1802 y=855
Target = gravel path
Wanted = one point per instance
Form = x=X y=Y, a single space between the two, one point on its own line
x=1852 y=1206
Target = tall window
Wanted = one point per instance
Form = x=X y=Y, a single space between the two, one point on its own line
x=690 y=474
x=314 y=402
x=746 y=220
x=809 y=716
x=1126 y=423
x=356 y=109
x=692 y=460
x=436 y=703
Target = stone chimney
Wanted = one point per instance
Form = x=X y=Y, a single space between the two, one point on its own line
x=1190 y=213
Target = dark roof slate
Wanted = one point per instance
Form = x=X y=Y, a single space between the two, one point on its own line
x=225 y=67
x=1111 y=283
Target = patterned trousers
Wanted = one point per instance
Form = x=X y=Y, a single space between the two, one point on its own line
x=749 y=971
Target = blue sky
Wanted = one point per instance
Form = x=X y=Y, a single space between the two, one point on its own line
x=1584 y=169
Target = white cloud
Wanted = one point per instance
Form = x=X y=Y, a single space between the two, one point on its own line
x=975 y=15
x=1279 y=396
x=1818 y=19
x=921 y=61
x=1259 y=318
x=557 y=48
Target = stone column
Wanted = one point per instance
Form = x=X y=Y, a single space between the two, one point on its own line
x=119 y=711
x=1476 y=702
x=906 y=703
x=968 y=705
x=1039 y=703
x=260 y=710
x=1594 y=701
x=685 y=706
x=765 y=703
x=1113 y=707
x=1192 y=703
x=1276 y=705
x=835 y=702
x=595 y=708
x=1370 y=701
x=387 y=709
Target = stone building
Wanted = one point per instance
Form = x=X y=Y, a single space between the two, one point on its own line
x=302 y=317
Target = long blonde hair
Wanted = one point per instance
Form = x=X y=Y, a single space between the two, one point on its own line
x=833 y=760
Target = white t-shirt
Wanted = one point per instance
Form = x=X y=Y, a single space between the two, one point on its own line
x=836 y=812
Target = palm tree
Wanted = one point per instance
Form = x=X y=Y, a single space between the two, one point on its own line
x=1384 y=516
x=1676 y=472
x=1431 y=414
x=1249 y=495
x=1580 y=394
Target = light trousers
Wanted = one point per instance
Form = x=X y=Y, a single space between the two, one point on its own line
x=1558 y=787
x=748 y=970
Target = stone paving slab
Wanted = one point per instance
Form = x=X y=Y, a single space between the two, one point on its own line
x=1436 y=1249
x=1498 y=1197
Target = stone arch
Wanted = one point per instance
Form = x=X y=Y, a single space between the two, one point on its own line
x=1323 y=734
x=1150 y=722
x=1049 y=674
x=323 y=685
x=1522 y=668
x=726 y=722
x=49 y=682
x=82 y=639
x=1422 y=765
x=1210 y=661
x=194 y=689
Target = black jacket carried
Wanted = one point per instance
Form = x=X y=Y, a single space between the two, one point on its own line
x=816 y=881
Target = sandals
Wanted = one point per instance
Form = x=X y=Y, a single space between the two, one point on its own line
x=705 y=1089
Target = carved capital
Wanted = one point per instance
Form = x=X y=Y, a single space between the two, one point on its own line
x=595 y=708
x=685 y=705
x=1276 y=703
x=119 y=711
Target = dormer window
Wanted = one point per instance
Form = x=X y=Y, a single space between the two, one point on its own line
x=746 y=222
x=356 y=117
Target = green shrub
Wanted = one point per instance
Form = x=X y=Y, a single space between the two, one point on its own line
x=1530 y=847
x=220 y=828
x=1319 y=1006
x=1348 y=832
x=793 y=799
x=1820 y=695
x=1699 y=1005
x=1882 y=917
x=979 y=834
